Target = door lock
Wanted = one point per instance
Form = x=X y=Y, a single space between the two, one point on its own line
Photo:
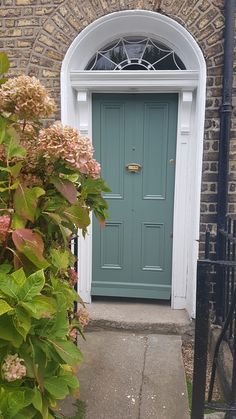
x=172 y=161
x=133 y=167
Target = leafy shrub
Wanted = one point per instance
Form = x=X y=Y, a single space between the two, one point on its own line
x=49 y=183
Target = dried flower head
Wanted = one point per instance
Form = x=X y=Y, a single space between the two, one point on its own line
x=5 y=222
x=12 y=368
x=72 y=277
x=83 y=317
x=59 y=142
x=26 y=97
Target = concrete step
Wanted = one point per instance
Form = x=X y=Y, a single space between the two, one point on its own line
x=129 y=375
x=149 y=317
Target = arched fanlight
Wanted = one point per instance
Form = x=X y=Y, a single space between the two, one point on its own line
x=135 y=53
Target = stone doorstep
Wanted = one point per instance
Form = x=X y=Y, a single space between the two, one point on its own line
x=134 y=316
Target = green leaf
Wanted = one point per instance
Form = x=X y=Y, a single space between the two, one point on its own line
x=3 y=124
x=11 y=187
x=5 y=268
x=26 y=200
x=78 y=215
x=29 y=413
x=37 y=400
x=73 y=177
x=71 y=380
x=60 y=325
x=56 y=387
x=37 y=259
x=4 y=307
x=54 y=202
x=4 y=63
x=22 y=261
x=94 y=186
x=25 y=413
x=32 y=286
x=66 y=189
x=65 y=232
x=22 y=322
x=40 y=306
x=31 y=245
x=17 y=222
x=64 y=292
x=17 y=400
x=13 y=170
x=19 y=276
x=13 y=148
x=25 y=352
x=55 y=217
x=68 y=351
x=9 y=286
x=3 y=80
x=60 y=259
x=56 y=327
x=9 y=332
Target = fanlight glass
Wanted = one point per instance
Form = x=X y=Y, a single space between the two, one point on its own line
x=135 y=54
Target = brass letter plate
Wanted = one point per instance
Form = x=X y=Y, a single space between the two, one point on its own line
x=133 y=167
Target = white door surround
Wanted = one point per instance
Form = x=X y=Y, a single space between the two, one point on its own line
x=77 y=87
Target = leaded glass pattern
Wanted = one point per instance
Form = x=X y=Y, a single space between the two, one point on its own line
x=135 y=53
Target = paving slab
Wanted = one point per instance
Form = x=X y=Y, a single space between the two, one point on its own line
x=164 y=393
x=150 y=317
x=129 y=375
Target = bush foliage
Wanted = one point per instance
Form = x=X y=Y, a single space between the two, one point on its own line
x=49 y=183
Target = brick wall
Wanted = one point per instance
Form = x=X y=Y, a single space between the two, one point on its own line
x=37 y=33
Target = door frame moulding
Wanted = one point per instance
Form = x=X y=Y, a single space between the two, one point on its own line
x=77 y=87
x=117 y=80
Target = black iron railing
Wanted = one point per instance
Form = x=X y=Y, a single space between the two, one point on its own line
x=225 y=279
x=223 y=273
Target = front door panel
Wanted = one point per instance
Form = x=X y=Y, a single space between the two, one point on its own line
x=132 y=255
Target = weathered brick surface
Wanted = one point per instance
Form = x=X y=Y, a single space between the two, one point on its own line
x=37 y=33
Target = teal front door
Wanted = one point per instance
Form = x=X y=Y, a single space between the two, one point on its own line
x=134 y=136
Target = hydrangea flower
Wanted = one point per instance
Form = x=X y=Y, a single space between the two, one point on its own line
x=92 y=168
x=72 y=277
x=83 y=317
x=59 y=142
x=26 y=97
x=12 y=368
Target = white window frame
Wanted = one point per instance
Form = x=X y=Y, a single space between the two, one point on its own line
x=77 y=87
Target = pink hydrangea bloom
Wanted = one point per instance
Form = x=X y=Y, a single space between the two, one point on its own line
x=92 y=168
x=12 y=368
x=59 y=142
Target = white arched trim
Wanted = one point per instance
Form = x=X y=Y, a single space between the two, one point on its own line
x=77 y=86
